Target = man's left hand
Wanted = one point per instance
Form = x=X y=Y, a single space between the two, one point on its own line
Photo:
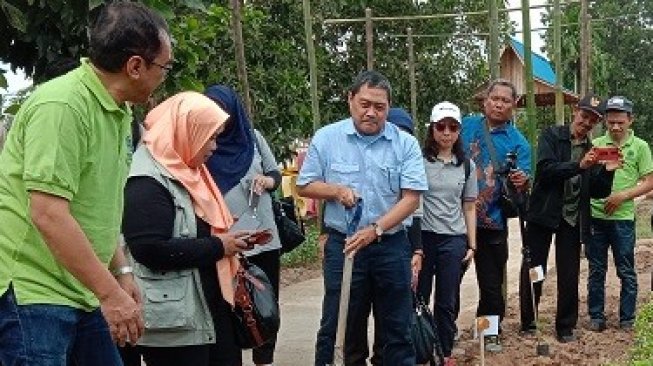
x=519 y=179
x=613 y=202
x=128 y=284
x=360 y=239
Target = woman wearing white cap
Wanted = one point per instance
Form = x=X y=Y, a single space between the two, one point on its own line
x=449 y=221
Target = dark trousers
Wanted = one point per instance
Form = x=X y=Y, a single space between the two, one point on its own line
x=567 y=259
x=381 y=272
x=443 y=255
x=270 y=264
x=490 y=261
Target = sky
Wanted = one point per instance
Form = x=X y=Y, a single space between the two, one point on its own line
x=536 y=22
x=17 y=81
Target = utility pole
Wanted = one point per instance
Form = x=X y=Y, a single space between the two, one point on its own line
x=312 y=64
x=369 y=39
x=557 y=59
x=411 y=77
x=241 y=65
x=528 y=76
x=584 y=21
x=494 y=39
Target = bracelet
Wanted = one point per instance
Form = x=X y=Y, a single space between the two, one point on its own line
x=122 y=270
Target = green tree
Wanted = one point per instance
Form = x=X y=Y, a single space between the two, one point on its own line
x=622 y=53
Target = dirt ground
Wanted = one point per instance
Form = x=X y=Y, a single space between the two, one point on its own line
x=610 y=346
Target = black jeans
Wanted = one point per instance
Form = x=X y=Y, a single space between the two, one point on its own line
x=270 y=264
x=443 y=255
x=567 y=259
x=490 y=261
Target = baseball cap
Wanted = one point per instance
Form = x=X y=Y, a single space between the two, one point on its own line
x=619 y=103
x=400 y=118
x=445 y=110
x=592 y=103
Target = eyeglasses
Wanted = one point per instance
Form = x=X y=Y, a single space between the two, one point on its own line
x=165 y=68
x=441 y=126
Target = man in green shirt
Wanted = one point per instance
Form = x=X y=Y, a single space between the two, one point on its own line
x=66 y=292
x=613 y=218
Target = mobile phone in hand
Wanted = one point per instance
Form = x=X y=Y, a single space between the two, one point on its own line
x=608 y=153
x=258 y=237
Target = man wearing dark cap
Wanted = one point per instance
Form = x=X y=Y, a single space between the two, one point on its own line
x=613 y=218
x=568 y=173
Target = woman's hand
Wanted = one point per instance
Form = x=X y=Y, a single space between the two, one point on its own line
x=415 y=266
x=234 y=243
x=261 y=183
x=469 y=255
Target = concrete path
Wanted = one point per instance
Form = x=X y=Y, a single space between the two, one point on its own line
x=301 y=307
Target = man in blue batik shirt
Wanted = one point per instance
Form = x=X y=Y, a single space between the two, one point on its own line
x=365 y=161
x=492 y=233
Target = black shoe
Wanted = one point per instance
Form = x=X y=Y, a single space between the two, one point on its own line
x=627 y=325
x=597 y=325
x=566 y=338
x=528 y=330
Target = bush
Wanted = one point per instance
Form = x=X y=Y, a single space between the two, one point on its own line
x=643 y=349
x=305 y=253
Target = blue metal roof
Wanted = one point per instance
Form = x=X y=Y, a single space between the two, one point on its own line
x=542 y=68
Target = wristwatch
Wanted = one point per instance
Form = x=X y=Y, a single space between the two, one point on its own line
x=378 y=230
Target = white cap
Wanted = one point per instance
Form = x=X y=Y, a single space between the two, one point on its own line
x=443 y=110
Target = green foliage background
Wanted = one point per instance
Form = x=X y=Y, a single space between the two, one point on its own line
x=33 y=33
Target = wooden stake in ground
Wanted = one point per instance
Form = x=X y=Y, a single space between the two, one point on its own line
x=482 y=324
x=345 y=291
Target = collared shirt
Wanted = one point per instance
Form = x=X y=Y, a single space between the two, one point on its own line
x=637 y=164
x=443 y=202
x=506 y=138
x=377 y=168
x=70 y=139
x=571 y=196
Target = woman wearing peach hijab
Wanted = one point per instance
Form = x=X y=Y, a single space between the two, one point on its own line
x=175 y=226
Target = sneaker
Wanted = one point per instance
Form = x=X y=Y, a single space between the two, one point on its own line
x=493 y=344
x=627 y=325
x=597 y=325
x=566 y=338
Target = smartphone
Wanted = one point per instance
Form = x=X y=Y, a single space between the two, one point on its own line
x=259 y=237
x=608 y=153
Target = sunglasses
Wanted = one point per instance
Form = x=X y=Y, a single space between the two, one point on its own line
x=441 y=126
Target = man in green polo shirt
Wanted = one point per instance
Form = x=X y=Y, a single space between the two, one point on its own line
x=613 y=218
x=66 y=292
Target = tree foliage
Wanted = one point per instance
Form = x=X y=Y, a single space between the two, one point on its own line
x=621 y=54
x=450 y=66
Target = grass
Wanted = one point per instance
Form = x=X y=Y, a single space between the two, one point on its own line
x=304 y=254
x=642 y=353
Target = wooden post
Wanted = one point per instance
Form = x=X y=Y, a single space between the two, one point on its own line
x=241 y=64
x=369 y=38
x=413 y=85
x=494 y=39
x=528 y=78
x=312 y=64
x=557 y=50
x=584 y=47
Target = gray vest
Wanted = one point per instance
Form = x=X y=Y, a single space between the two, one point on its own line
x=174 y=307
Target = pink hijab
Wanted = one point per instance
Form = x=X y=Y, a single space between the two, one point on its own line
x=175 y=131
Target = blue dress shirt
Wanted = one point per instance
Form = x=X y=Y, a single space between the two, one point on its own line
x=376 y=167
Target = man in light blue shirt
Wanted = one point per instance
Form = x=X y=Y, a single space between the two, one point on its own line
x=364 y=161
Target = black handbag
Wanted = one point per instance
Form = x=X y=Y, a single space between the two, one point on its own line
x=256 y=309
x=425 y=337
x=291 y=229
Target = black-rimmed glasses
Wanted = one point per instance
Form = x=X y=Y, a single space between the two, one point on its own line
x=166 y=68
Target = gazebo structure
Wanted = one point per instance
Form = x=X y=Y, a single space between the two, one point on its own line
x=512 y=68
